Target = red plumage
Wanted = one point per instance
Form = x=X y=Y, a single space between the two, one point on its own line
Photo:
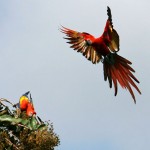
x=30 y=110
x=26 y=104
x=116 y=68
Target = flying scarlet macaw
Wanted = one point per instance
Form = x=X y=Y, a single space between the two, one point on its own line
x=26 y=104
x=104 y=48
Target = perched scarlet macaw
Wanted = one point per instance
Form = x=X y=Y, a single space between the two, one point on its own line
x=116 y=68
x=26 y=104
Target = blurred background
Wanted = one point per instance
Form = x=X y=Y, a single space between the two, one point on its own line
x=67 y=89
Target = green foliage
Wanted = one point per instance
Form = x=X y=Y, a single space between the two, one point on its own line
x=20 y=132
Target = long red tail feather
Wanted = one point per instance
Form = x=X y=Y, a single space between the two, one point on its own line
x=118 y=70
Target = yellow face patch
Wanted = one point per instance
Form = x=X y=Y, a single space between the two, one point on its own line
x=23 y=98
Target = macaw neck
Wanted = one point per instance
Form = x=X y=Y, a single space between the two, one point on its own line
x=100 y=46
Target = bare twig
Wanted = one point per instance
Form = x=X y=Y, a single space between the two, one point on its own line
x=21 y=125
x=4 y=99
x=10 y=143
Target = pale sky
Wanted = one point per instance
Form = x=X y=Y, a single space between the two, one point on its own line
x=67 y=89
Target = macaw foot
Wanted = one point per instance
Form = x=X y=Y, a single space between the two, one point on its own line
x=102 y=59
x=110 y=58
x=18 y=112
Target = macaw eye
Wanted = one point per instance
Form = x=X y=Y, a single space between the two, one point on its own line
x=88 y=42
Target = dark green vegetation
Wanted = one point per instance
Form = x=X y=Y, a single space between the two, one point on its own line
x=20 y=132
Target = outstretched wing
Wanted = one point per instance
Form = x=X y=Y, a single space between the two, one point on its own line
x=110 y=34
x=82 y=42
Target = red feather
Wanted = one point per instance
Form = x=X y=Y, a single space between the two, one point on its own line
x=116 y=68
